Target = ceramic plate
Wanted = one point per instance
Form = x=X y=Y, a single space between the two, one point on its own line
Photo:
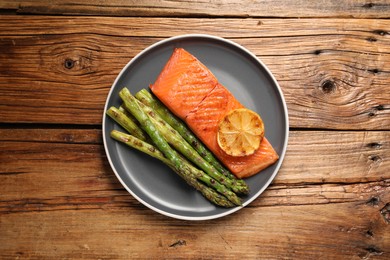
x=150 y=181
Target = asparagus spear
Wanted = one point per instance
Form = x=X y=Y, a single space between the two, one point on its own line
x=148 y=99
x=151 y=150
x=180 y=144
x=122 y=119
x=144 y=146
x=130 y=116
x=171 y=154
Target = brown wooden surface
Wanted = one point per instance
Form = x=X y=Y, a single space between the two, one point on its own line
x=231 y=8
x=331 y=70
x=59 y=197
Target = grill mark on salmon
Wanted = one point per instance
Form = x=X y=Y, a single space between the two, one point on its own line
x=183 y=83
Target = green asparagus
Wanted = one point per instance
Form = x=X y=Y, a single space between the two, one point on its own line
x=177 y=162
x=151 y=150
x=130 y=116
x=148 y=99
x=178 y=142
x=129 y=125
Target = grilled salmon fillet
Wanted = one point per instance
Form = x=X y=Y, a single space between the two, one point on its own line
x=183 y=83
x=193 y=93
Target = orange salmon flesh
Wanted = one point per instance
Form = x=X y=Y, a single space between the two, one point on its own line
x=191 y=91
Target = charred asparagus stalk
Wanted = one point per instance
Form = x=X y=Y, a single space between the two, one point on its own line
x=149 y=149
x=177 y=162
x=148 y=99
x=122 y=119
x=189 y=177
x=181 y=145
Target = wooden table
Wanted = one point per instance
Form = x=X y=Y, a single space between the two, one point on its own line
x=59 y=197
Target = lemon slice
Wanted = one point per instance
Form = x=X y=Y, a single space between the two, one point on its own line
x=240 y=132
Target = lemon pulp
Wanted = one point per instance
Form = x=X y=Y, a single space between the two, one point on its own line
x=240 y=132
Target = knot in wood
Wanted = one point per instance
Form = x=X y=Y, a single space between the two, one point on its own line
x=385 y=212
x=69 y=63
x=374 y=71
x=380 y=32
x=369 y=233
x=374 y=145
x=374 y=110
x=375 y=158
x=374 y=201
x=369 y=5
x=373 y=250
x=328 y=86
x=179 y=243
x=379 y=107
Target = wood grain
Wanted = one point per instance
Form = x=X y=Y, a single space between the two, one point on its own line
x=60 y=199
x=341 y=230
x=57 y=186
x=333 y=72
x=73 y=161
x=246 y=8
x=336 y=157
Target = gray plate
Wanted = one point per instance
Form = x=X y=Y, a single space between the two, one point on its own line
x=150 y=181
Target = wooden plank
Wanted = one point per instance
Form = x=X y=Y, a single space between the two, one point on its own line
x=60 y=199
x=336 y=157
x=336 y=231
x=60 y=69
x=276 y=195
x=73 y=161
x=246 y=8
x=157 y=27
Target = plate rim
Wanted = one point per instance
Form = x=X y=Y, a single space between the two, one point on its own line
x=281 y=156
